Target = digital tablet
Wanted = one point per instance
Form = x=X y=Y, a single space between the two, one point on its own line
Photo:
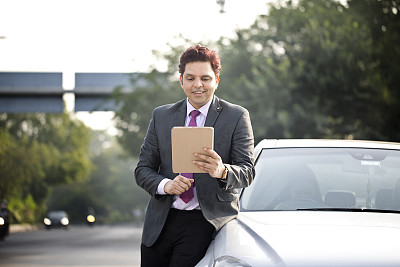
x=185 y=142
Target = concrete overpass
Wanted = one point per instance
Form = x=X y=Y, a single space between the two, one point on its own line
x=30 y=92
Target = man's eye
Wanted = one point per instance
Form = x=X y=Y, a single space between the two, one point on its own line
x=206 y=79
x=189 y=79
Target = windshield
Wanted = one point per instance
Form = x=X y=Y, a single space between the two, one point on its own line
x=57 y=214
x=301 y=178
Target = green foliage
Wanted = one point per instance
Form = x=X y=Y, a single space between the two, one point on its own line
x=24 y=210
x=311 y=72
x=329 y=50
x=307 y=69
x=38 y=151
x=134 y=116
x=45 y=164
x=110 y=189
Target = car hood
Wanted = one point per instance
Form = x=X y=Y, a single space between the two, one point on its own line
x=313 y=238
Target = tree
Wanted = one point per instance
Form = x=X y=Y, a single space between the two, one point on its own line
x=382 y=19
x=109 y=190
x=40 y=151
x=313 y=69
x=136 y=108
x=306 y=69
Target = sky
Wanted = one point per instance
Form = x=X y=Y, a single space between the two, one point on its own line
x=109 y=35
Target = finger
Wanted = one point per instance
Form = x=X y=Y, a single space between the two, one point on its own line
x=201 y=164
x=209 y=168
x=211 y=152
x=186 y=183
x=189 y=180
x=206 y=158
x=178 y=185
x=173 y=188
x=178 y=191
x=185 y=180
x=206 y=165
x=181 y=187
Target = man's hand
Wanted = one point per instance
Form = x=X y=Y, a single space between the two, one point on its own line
x=178 y=185
x=213 y=163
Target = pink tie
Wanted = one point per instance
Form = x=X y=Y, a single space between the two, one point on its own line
x=188 y=195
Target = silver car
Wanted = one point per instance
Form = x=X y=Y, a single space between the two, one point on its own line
x=316 y=203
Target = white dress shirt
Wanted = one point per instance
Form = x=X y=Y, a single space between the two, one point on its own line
x=194 y=202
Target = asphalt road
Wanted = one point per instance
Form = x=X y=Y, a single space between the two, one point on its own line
x=101 y=245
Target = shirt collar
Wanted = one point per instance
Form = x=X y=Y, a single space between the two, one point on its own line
x=203 y=110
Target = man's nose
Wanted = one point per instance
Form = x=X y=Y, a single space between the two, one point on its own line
x=198 y=83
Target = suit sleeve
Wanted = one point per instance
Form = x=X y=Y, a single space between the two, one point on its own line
x=146 y=172
x=241 y=167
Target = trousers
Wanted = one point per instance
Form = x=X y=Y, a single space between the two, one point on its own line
x=183 y=241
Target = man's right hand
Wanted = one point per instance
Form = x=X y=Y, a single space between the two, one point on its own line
x=178 y=185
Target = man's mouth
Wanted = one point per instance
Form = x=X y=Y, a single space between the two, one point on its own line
x=198 y=92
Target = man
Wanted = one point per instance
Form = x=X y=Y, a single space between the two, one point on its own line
x=178 y=230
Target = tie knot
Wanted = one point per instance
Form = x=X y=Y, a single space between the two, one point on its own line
x=194 y=113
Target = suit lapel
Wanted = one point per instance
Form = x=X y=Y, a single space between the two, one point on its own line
x=212 y=116
x=180 y=116
x=213 y=112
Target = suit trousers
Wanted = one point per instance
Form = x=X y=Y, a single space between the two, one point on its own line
x=183 y=241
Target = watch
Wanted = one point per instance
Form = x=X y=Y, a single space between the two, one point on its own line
x=225 y=173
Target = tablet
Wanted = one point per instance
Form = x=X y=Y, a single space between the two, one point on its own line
x=185 y=142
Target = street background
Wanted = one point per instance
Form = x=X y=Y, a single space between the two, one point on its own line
x=322 y=69
x=80 y=246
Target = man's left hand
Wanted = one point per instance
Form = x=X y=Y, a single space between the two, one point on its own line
x=212 y=163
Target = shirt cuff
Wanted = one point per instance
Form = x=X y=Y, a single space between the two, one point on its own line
x=160 y=188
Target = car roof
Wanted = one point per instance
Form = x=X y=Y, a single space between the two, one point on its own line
x=293 y=143
x=57 y=212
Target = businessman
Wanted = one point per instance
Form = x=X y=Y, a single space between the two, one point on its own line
x=186 y=209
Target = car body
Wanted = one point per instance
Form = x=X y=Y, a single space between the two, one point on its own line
x=316 y=203
x=56 y=219
x=4 y=223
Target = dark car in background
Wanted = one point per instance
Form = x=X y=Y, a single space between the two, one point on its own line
x=316 y=203
x=56 y=219
x=4 y=221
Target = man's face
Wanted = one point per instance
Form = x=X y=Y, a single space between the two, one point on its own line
x=199 y=83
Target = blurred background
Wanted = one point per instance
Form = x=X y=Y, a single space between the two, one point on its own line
x=79 y=81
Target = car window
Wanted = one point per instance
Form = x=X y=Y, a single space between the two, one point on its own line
x=297 y=178
x=57 y=214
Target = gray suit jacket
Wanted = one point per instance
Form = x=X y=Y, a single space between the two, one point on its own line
x=234 y=143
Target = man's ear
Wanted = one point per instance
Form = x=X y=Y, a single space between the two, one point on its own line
x=181 y=79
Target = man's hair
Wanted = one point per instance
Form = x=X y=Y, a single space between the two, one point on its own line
x=200 y=53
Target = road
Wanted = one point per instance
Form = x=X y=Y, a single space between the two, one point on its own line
x=80 y=246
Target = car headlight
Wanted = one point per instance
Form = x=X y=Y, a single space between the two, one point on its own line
x=64 y=221
x=90 y=218
x=47 y=221
x=1 y=221
x=229 y=261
